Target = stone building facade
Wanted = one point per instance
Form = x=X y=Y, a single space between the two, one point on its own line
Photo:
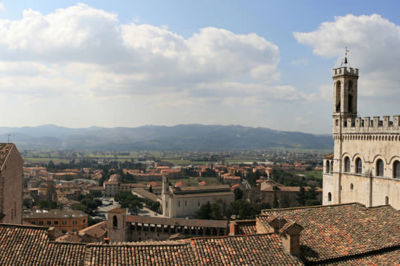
x=185 y=201
x=365 y=165
x=65 y=220
x=11 y=184
x=124 y=227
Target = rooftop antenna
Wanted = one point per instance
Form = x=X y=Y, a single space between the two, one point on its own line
x=8 y=138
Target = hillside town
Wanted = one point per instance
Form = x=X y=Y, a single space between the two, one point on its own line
x=199 y=133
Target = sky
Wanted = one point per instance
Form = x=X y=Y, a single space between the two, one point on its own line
x=251 y=63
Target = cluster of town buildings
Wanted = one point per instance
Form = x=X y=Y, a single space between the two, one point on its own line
x=358 y=223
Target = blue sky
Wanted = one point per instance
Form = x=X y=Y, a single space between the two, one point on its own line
x=132 y=63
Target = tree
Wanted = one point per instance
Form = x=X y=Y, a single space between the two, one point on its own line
x=204 y=211
x=51 y=165
x=312 y=202
x=243 y=209
x=238 y=193
x=46 y=204
x=216 y=212
x=96 y=193
x=79 y=207
x=28 y=203
x=275 y=203
x=301 y=196
x=130 y=201
x=311 y=193
x=285 y=201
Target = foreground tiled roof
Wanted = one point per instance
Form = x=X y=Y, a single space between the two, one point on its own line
x=342 y=230
x=28 y=245
x=263 y=249
x=140 y=254
x=391 y=257
x=246 y=227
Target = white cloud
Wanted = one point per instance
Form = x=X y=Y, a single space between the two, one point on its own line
x=90 y=49
x=80 y=66
x=2 y=7
x=373 y=42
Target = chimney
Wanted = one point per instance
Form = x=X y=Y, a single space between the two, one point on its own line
x=276 y=223
x=51 y=233
x=232 y=228
x=290 y=237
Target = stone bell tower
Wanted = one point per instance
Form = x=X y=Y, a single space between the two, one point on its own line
x=165 y=196
x=344 y=92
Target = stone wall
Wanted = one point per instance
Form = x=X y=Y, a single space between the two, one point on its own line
x=12 y=187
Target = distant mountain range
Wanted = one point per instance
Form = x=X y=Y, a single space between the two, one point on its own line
x=178 y=138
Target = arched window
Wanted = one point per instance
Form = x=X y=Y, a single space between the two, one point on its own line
x=350 y=97
x=329 y=196
x=379 y=167
x=115 y=221
x=396 y=169
x=347 y=164
x=327 y=167
x=351 y=186
x=358 y=166
x=338 y=96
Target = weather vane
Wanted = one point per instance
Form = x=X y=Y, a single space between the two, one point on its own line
x=346 y=51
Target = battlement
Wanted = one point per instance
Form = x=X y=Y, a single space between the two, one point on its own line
x=349 y=71
x=368 y=125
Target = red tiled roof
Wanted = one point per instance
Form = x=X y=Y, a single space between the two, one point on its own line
x=140 y=254
x=28 y=245
x=96 y=230
x=246 y=227
x=265 y=249
x=391 y=257
x=336 y=231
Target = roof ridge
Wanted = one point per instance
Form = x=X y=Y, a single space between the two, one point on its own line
x=67 y=243
x=381 y=206
x=25 y=226
x=228 y=236
x=136 y=244
x=312 y=207
x=358 y=255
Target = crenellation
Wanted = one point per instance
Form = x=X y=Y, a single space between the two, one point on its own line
x=358 y=122
x=345 y=71
x=396 y=121
x=366 y=125
x=386 y=121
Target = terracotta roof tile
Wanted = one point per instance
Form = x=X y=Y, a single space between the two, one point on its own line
x=140 y=254
x=28 y=245
x=263 y=249
x=336 y=231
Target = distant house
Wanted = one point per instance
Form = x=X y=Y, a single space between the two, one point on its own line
x=111 y=187
x=271 y=190
x=185 y=201
x=65 y=220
